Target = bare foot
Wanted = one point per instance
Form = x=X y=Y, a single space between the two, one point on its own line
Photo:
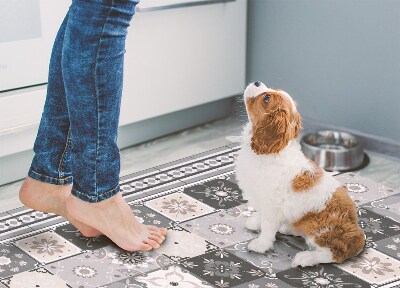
x=115 y=219
x=50 y=198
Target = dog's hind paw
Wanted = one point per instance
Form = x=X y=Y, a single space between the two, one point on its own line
x=260 y=245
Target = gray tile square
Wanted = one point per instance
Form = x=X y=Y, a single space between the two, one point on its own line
x=106 y=265
x=363 y=190
x=73 y=235
x=223 y=228
x=390 y=246
x=277 y=259
x=13 y=260
x=388 y=207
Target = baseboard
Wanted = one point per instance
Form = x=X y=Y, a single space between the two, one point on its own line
x=14 y=167
x=370 y=142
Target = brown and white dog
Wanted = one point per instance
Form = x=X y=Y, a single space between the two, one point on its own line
x=289 y=192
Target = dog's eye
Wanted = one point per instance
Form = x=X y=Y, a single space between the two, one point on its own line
x=266 y=97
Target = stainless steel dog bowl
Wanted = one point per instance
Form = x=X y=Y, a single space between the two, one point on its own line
x=333 y=150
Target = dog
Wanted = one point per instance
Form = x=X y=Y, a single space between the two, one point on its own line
x=289 y=192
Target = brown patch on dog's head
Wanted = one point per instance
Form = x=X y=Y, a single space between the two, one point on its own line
x=275 y=121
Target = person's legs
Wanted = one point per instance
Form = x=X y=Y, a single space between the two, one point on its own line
x=50 y=175
x=52 y=160
x=86 y=70
x=92 y=65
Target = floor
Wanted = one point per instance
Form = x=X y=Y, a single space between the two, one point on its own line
x=206 y=244
x=382 y=169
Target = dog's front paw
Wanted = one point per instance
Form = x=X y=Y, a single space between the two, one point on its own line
x=260 y=245
x=304 y=259
x=253 y=223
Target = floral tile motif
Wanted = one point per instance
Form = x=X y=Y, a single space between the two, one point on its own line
x=72 y=234
x=390 y=246
x=373 y=267
x=138 y=262
x=179 y=207
x=222 y=269
x=363 y=190
x=149 y=217
x=388 y=207
x=223 y=228
x=47 y=247
x=34 y=278
x=198 y=199
x=106 y=265
x=13 y=261
x=171 y=277
x=181 y=244
x=320 y=276
x=277 y=259
x=218 y=193
x=376 y=227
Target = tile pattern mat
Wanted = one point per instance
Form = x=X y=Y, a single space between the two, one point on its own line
x=198 y=199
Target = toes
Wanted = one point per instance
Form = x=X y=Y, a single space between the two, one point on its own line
x=157 y=234
x=139 y=247
x=145 y=247
x=152 y=243
x=163 y=231
x=156 y=238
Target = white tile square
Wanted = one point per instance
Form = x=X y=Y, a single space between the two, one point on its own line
x=179 y=207
x=373 y=267
x=47 y=247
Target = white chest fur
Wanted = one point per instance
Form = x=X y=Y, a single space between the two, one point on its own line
x=266 y=181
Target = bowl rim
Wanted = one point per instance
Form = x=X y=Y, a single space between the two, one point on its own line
x=357 y=145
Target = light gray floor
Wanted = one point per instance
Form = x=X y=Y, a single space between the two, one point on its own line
x=199 y=139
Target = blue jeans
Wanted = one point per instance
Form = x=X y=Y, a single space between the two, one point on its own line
x=77 y=137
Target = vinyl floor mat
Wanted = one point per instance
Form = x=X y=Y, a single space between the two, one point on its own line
x=199 y=201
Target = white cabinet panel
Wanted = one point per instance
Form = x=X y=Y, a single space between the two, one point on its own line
x=182 y=57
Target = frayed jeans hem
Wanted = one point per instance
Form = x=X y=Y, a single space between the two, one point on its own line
x=51 y=180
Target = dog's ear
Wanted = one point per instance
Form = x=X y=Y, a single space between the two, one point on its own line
x=272 y=133
x=297 y=125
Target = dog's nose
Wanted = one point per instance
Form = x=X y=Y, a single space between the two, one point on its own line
x=257 y=83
